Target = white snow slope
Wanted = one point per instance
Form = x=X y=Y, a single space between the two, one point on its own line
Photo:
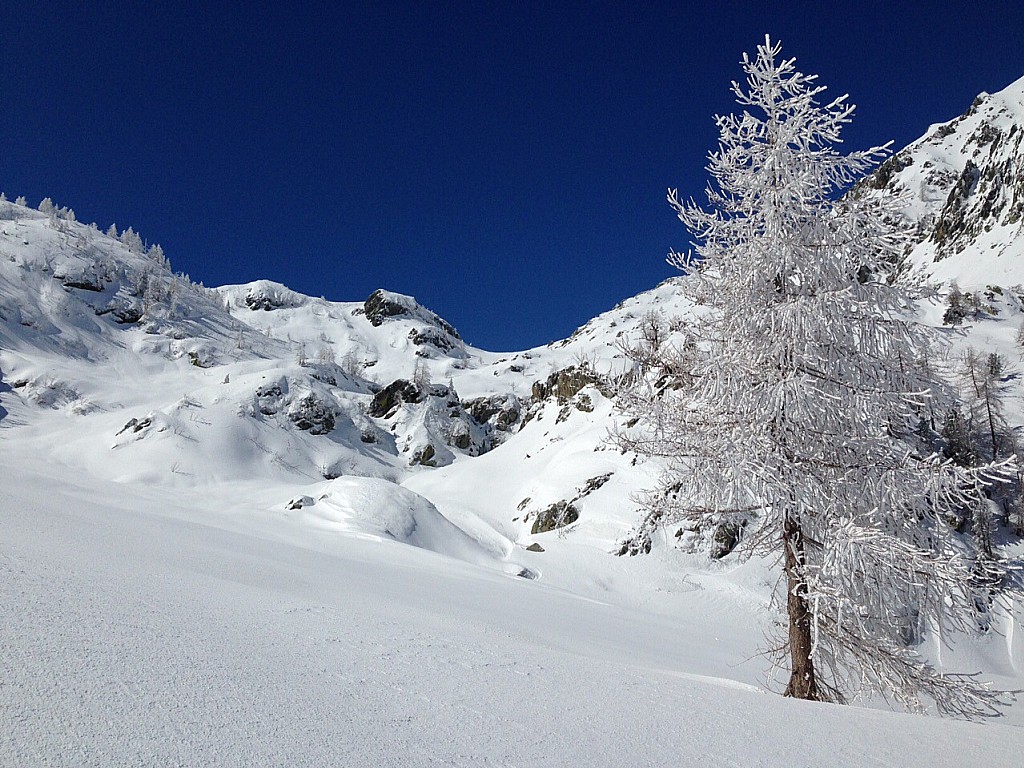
x=137 y=633
x=226 y=538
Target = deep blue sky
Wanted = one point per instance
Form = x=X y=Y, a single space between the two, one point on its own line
x=504 y=163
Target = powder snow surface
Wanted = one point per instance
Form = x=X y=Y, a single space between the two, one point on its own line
x=134 y=634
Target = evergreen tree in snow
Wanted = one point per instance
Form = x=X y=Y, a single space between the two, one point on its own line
x=798 y=420
x=956 y=306
x=131 y=239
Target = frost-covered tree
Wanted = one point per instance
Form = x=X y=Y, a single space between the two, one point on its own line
x=983 y=379
x=421 y=375
x=131 y=239
x=797 y=422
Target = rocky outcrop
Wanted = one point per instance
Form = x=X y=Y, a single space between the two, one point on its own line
x=382 y=305
x=961 y=185
x=311 y=414
x=386 y=402
x=564 y=384
x=500 y=412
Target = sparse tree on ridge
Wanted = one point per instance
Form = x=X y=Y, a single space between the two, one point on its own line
x=798 y=418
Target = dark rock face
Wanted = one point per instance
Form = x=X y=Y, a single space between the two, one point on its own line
x=434 y=337
x=127 y=314
x=460 y=437
x=880 y=178
x=269 y=399
x=500 y=411
x=380 y=305
x=260 y=301
x=952 y=220
x=266 y=297
x=137 y=425
x=84 y=285
x=311 y=414
x=558 y=515
x=726 y=537
x=565 y=383
x=424 y=456
x=388 y=400
x=563 y=513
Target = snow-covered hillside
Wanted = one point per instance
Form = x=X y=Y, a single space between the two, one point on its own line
x=243 y=525
x=963 y=187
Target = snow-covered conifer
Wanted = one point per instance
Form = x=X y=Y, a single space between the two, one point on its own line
x=156 y=253
x=421 y=375
x=131 y=239
x=797 y=420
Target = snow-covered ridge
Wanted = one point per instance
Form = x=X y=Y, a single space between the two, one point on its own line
x=963 y=187
x=169 y=383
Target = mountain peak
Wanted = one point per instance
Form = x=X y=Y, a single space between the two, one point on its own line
x=963 y=190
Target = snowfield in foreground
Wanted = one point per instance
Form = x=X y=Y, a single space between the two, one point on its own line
x=144 y=630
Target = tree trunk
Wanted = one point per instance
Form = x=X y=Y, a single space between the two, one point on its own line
x=802 y=681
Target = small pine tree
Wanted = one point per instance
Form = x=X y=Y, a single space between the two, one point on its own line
x=956 y=432
x=956 y=310
x=351 y=364
x=156 y=253
x=130 y=238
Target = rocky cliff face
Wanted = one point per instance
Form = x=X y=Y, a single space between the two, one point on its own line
x=962 y=184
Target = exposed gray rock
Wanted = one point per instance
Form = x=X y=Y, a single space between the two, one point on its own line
x=312 y=414
x=389 y=399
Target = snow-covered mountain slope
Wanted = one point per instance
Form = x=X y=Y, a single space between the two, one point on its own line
x=113 y=365
x=361 y=464
x=963 y=186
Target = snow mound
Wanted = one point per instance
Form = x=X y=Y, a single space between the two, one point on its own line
x=262 y=295
x=379 y=509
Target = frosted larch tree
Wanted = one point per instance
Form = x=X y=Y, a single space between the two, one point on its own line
x=796 y=419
